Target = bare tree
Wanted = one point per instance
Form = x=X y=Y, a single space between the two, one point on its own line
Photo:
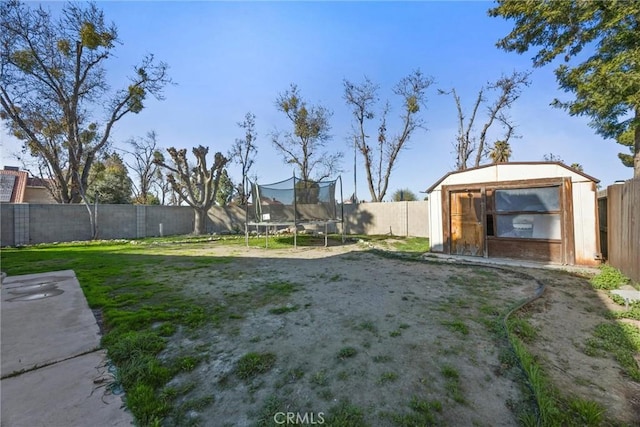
x=467 y=142
x=196 y=186
x=304 y=146
x=380 y=159
x=550 y=157
x=144 y=166
x=244 y=152
x=53 y=83
x=166 y=195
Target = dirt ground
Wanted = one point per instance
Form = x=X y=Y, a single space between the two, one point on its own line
x=396 y=339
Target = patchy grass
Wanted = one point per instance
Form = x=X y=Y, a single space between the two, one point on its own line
x=160 y=333
x=522 y=329
x=457 y=326
x=453 y=385
x=553 y=407
x=284 y=309
x=347 y=352
x=619 y=339
x=387 y=377
x=253 y=364
x=368 y=326
x=423 y=413
x=139 y=309
x=398 y=247
x=344 y=414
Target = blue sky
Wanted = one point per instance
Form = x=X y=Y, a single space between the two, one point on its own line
x=230 y=58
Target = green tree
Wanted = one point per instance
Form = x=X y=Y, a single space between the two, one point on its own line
x=404 y=195
x=197 y=186
x=54 y=92
x=577 y=166
x=304 y=146
x=380 y=157
x=244 y=152
x=109 y=182
x=226 y=189
x=501 y=152
x=598 y=44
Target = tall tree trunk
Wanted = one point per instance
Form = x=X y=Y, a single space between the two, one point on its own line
x=199 y=225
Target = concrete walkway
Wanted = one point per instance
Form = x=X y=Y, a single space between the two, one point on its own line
x=508 y=262
x=53 y=373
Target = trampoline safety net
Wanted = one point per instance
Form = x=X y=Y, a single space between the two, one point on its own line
x=295 y=200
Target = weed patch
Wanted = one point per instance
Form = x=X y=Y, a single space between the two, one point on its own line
x=609 y=278
x=621 y=340
x=284 y=309
x=345 y=414
x=422 y=414
x=252 y=364
x=347 y=352
x=457 y=326
x=387 y=377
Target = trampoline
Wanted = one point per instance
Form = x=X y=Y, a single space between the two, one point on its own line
x=295 y=202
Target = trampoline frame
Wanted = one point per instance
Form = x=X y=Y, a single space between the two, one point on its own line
x=295 y=221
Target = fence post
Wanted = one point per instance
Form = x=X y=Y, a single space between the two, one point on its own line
x=21 y=224
x=141 y=223
x=406 y=218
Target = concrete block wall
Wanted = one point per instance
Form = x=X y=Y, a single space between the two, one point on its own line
x=117 y=222
x=21 y=224
x=56 y=223
x=394 y=218
x=6 y=223
x=227 y=218
x=174 y=219
x=24 y=224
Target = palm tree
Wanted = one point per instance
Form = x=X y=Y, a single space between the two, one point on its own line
x=501 y=152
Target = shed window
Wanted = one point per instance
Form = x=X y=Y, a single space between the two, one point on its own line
x=546 y=199
x=529 y=213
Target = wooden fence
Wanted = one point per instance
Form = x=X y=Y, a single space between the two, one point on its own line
x=623 y=227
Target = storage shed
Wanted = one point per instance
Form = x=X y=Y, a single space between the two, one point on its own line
x=538 y=211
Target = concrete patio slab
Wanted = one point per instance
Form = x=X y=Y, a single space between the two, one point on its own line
x=72 y=393
x=53 y=373
x=45 y=319
x=629 y=295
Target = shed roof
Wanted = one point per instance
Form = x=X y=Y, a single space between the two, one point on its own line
x=509 y=165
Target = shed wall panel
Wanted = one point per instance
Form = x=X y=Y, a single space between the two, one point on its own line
x=435 y=221
x=585 y=223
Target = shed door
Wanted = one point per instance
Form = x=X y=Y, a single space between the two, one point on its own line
x=467 y=234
